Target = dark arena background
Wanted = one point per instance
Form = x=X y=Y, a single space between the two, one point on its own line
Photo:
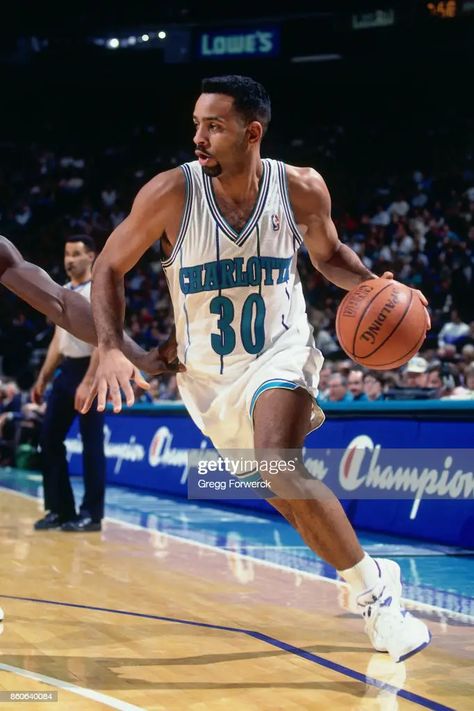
x=193 y=598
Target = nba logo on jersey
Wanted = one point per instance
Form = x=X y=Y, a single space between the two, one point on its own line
x=275 y=223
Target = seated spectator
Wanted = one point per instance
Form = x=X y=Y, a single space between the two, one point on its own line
x=373 y=386
x=325 y=342
x=324 y=376
x=344 y=367
x=415 y=373
x=444 y=379
x=447 y=354
x=337 y=389
x=467 y=353
x=381 y=217
x=469 y=381
x=11 y=402
x=467 y=339
x=355 y=385
x=453 y=330
x=399 y=207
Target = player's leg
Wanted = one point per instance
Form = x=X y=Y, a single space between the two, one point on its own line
x=281 y=421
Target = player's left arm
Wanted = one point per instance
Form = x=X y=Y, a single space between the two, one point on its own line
x=336 y=261
x=311 y=204
x=64 y=307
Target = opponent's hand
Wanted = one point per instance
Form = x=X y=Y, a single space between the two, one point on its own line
x=161 y=360
x=113 y=375
x=419 y=294
x=169 y=351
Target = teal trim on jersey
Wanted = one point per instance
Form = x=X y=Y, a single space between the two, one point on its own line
x=267 y=385
x=185 y=357
x=188 y=202
x=285 y=197
x=239 y=237
x=259 y=257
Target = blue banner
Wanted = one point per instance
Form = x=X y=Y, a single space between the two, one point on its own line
x=239 y=43
x=149 y=450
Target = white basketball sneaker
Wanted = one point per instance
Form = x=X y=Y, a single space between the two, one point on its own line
x=389 y=626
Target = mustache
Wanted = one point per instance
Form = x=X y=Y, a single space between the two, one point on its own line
x=198 y=152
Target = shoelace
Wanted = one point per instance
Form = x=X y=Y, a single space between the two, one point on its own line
x=392 y=618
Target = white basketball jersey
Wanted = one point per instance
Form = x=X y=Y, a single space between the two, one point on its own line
x=235 y=294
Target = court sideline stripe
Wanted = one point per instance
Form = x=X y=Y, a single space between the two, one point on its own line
x=413 y=604
x=67 y=686
x=309 y=656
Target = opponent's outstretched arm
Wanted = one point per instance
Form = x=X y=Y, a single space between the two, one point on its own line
x=64 y=307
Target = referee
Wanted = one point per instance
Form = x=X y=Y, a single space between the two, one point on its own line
x=77 y=362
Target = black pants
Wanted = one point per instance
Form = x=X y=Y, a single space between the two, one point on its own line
x=60 y=414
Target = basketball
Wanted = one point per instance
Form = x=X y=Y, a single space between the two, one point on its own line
x=381 y=324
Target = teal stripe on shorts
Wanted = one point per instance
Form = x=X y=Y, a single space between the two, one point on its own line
x=267 y=385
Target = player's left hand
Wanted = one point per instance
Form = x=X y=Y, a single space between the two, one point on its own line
x=420 y=295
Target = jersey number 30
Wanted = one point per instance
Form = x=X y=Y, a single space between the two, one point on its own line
x=252 y=324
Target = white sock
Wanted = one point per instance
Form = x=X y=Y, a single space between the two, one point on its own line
x=363 y=576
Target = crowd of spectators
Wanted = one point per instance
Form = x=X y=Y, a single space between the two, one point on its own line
x=419 y=225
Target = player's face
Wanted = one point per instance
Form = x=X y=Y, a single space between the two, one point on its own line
x=221 y=134
x=77 y=260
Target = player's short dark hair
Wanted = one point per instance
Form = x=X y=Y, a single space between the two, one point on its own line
x=88 y=241
x=251 y=99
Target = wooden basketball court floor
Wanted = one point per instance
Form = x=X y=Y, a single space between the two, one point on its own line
x=131 y=618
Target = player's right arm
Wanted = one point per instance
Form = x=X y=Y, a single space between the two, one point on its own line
x=155 y=211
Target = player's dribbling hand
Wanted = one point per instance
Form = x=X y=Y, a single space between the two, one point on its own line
x=113 y=376
x=421 y=296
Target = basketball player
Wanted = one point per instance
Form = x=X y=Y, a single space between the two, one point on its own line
x=230 y=225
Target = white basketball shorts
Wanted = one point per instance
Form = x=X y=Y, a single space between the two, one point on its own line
x=222 y=405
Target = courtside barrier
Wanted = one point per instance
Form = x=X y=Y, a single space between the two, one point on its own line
x=147 y=447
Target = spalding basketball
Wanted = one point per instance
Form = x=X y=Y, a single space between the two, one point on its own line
x=381 y=324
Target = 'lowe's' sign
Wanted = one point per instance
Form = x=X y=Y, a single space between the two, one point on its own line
x=225 y=44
